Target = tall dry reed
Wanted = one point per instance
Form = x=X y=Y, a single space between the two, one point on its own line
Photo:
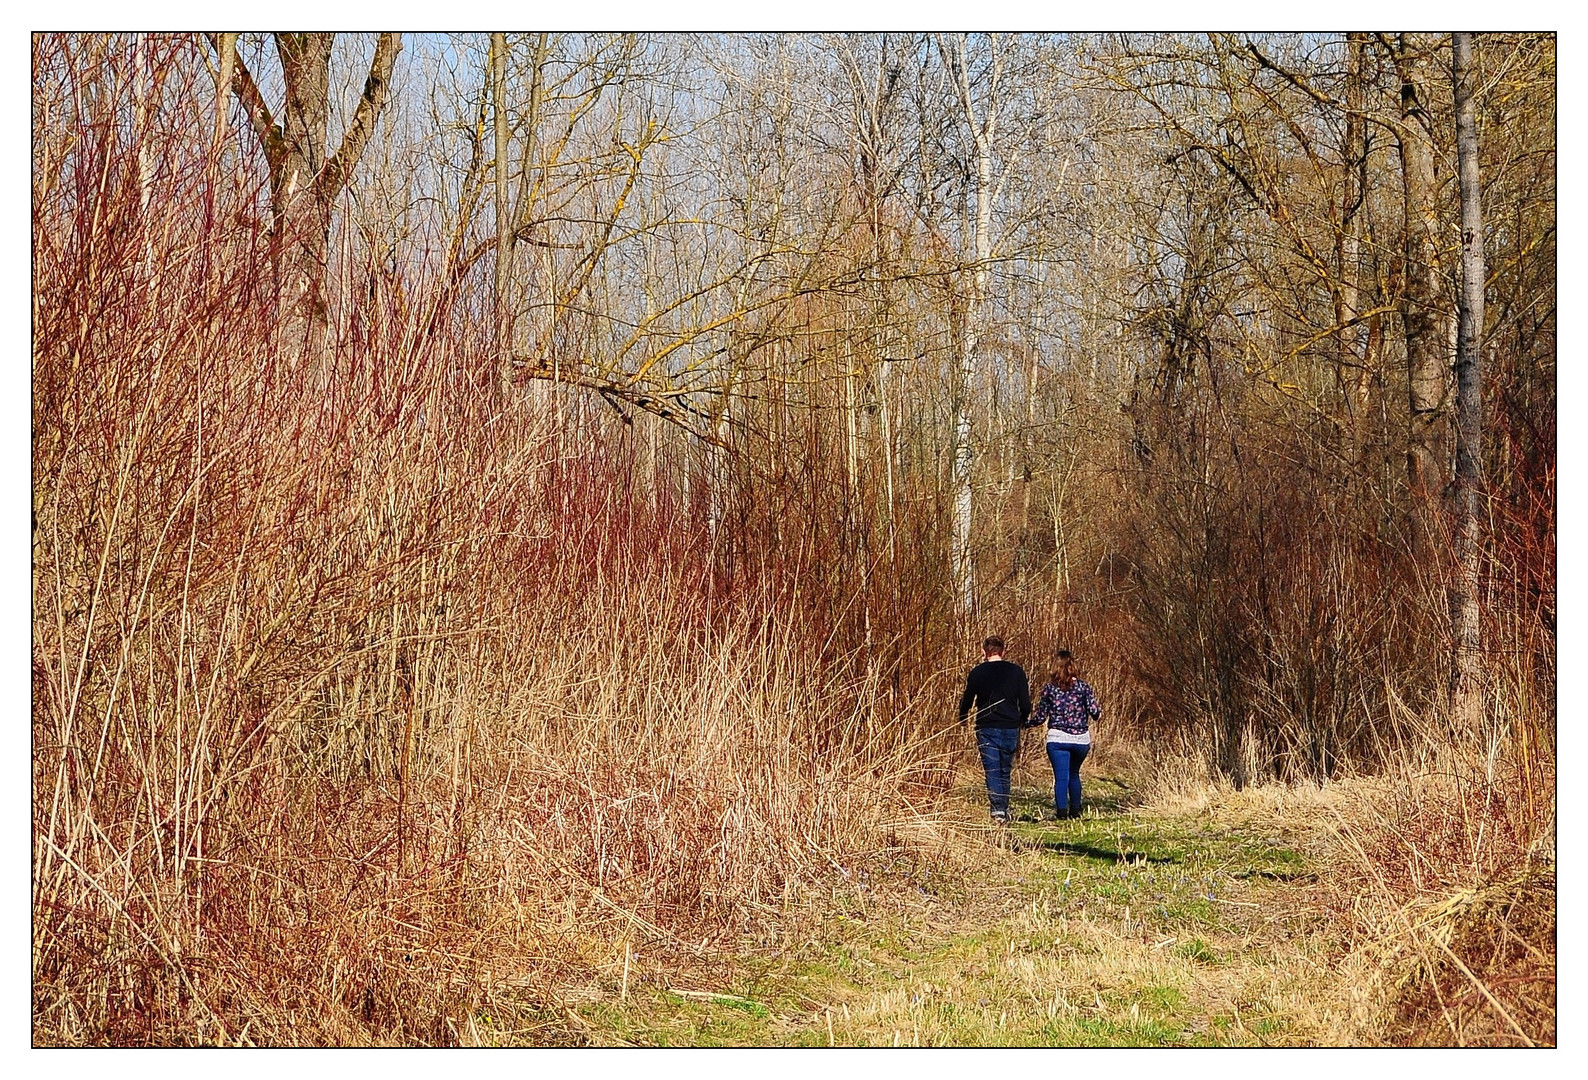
x=364 y=693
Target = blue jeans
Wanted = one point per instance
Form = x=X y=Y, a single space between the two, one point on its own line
x=998 y=746
x=1066 y=759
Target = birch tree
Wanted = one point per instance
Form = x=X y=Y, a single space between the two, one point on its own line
x=1467 y=703
x=980 y=113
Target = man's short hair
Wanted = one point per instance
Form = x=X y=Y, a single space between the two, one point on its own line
x=993 y=645
x=1064 y=654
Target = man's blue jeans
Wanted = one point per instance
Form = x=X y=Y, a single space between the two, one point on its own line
x=1066 y=759
x=998 y=746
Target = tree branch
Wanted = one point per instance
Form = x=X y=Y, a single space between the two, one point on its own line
x=247 y=92
x=1289 y=76
x=671 y=405
x=376 y=89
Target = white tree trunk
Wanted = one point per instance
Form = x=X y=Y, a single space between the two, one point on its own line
x=975 y=329
x=983 y=130
x=1467 y=699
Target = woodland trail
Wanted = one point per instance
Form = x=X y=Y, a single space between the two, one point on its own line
x=1134 y=926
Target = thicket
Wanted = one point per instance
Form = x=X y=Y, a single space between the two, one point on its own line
x=379 y=680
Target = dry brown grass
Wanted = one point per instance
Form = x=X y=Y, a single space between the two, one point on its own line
x=1046 y=940
x=633 y=793
x=1451 y=886
x=366 y=692
x=372 y=698
x=1443 y=882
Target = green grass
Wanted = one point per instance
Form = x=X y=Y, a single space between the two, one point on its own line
x=1122 y=928
x=1198 y=950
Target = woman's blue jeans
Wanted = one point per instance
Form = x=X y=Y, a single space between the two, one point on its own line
x=1066 y=759
x=998 y=746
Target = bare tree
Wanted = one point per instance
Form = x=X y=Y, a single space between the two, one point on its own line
x=1424 y=320
x=1348 y=246
x=1467 y=701
x=504 y=229
x=981 y=120
x=306 y=179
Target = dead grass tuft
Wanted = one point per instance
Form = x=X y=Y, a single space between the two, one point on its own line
x=1450 y=882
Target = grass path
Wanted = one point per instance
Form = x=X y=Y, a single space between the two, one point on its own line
x=1131 y=926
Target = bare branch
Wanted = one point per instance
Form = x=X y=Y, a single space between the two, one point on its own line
x=376 y=88
x=265 y=126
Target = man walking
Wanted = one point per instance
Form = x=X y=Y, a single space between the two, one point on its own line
x=1002 y=698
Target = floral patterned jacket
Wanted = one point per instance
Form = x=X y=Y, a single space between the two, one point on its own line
x=1069 y=711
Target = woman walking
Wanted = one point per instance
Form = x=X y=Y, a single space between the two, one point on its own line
x=1067 y=708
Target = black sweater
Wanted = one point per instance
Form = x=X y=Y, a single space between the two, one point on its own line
x=1000 y=693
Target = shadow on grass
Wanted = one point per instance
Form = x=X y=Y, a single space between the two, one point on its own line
x=1091 y=851
x=1277 y=875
